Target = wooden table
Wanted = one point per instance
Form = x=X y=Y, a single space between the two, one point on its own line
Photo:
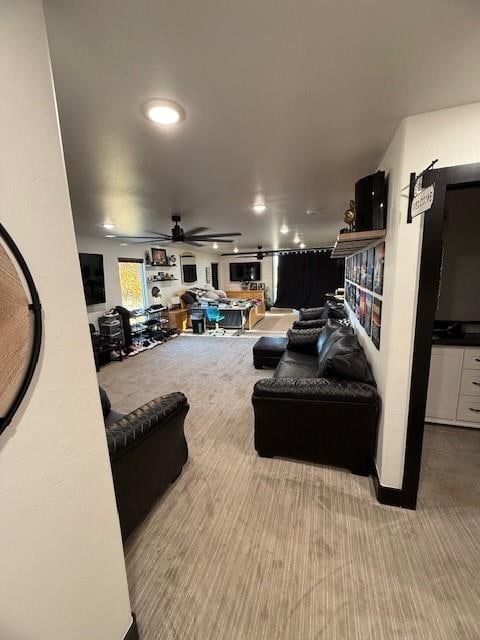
x=178 y=319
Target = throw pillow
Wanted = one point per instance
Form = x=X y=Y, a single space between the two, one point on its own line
x=303 y=341
x=346 y=360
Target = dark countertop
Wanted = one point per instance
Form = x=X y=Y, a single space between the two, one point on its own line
x=462 y=340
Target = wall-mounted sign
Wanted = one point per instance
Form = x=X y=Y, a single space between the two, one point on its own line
x=423 y=200
x=20 y=328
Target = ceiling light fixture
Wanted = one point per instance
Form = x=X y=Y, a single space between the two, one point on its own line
x=260 y=207
x=235 y=250
x=302 y=245
x=109 y=235
x=215 y=245
x=284 y=229
x=123 y=244
x=108 y=225
x=163 y=111
x=296 y=238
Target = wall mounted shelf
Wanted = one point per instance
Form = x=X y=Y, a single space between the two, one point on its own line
x=349 y=243
x=160 y=266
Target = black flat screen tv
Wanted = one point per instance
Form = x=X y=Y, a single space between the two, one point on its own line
x=242 y=271
x=93 y=278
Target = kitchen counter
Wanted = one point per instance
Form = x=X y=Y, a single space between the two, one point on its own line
x=461 y=340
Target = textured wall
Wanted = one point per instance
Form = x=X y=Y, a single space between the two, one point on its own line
x=452 y=136
x=61 y=557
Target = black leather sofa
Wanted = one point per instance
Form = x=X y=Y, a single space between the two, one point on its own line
x=147 y=450
x=317 y=317
x=321 y=404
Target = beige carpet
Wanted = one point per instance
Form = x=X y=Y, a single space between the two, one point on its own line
x=244 y=548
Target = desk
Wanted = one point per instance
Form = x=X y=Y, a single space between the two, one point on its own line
x=234 y=317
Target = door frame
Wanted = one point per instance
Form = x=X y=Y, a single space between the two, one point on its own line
x=429 y=281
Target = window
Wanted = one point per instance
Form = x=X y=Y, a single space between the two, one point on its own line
x=132 y=284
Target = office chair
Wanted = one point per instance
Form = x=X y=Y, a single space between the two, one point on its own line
x=213 y=315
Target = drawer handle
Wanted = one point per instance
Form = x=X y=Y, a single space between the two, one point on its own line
x=474 y=410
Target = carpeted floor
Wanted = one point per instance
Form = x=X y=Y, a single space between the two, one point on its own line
x=245 y=548
x=276 y=320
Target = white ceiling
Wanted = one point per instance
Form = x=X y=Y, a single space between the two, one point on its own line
x=287 y=100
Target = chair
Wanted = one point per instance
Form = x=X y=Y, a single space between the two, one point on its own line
x=213 y=315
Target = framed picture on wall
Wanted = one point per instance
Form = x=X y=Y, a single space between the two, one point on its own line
x=363 y=268
x=379 y=266
x=361 y=310
x=261 y=285
x=376 y=321
x=159 y=257
x=367 y=324
x=370 y=269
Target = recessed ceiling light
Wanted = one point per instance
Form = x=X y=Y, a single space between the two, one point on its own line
x=235 y=250
x=110 y=236
x=108 y=225
x=302 y=245
x=296 y=239
x=163 y=111
x=124 y=244
x=284 y=229
x=260 y=207
x=215 y=245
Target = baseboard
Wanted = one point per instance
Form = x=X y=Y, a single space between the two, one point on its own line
x=132 y=633
x=389 y=495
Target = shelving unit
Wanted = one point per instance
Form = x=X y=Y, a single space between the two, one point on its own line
x=349 y=243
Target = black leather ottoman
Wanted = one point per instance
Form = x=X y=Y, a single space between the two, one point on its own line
x=268 y=350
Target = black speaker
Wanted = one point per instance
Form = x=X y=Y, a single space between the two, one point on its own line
x=371 y=202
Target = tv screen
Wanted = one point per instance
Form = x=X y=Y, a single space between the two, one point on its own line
x=241 y=271
x=91 y=266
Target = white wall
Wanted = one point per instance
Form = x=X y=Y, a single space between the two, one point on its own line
x=111 y=250
x=61 y=558
x=266 y=273
x=452 y=136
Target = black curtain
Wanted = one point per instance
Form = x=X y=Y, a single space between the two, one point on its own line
x=305 y=278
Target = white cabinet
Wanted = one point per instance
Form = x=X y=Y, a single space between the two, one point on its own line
x=454 y=386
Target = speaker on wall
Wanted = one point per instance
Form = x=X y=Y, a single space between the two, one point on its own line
x=371 y=202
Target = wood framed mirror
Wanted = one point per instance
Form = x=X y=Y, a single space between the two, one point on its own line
x=20 y=328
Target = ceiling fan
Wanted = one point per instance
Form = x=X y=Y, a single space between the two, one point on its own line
x=194 y=237
x=260 y=253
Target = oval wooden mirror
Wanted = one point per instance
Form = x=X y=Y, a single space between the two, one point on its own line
x=20 y=328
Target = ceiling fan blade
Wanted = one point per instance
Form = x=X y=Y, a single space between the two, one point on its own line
x=195 y=230
x=194 y=238
x=214 y=235
x=193 y=244
x=162 y=235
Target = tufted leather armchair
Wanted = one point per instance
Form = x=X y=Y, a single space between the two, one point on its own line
x=147 y=450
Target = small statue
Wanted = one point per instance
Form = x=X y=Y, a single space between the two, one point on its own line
x=349 y=216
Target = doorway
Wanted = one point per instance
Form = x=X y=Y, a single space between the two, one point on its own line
x=432 y=256
x=215 y=275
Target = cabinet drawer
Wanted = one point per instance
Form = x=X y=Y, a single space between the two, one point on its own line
x=468 y=409
x=471 y=359
x=470 y=383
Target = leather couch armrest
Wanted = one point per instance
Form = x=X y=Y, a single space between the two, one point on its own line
x=309 y=324
x=135 y=426
x=316 y=389
x=312 y=314
x=303 y=341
